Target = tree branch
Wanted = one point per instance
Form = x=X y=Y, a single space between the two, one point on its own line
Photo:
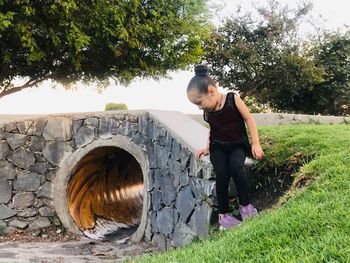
x=30 y=83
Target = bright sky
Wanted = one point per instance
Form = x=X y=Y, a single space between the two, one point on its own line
x=165 y=94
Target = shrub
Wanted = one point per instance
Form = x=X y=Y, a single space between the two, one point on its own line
x=116 y=106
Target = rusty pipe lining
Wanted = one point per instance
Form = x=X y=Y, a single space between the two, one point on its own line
x=106 y=188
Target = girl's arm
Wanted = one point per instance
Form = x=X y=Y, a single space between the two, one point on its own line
x=249 y=120
x=204 y=151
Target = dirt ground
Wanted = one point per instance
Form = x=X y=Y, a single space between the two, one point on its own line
x=52 y=247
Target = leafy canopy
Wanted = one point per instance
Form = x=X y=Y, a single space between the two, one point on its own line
x=96 y=40
x=261 y=56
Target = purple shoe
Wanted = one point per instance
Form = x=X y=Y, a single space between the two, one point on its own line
x=227 y=221
x=247 y=211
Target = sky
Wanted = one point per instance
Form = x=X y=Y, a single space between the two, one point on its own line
x=164 y=94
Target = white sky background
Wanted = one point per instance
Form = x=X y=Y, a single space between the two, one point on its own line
x=165 y=94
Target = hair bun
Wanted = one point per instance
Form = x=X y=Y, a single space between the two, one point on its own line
x=201 y=70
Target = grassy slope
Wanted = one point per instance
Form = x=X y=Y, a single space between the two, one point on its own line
x=312 y=226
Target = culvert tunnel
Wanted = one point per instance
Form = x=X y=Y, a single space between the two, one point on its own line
x=105 y=193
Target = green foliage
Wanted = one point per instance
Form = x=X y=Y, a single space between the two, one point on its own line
x=116 y=106
x=75 y=40
x=254 y=106
x=333 y=54
x=245 y=51
x=312 y=226
x=262 y=57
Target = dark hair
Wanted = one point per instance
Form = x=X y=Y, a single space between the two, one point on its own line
x=201 y=80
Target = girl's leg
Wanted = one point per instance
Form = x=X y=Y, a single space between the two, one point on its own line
x=237 y=170
x=219 y=160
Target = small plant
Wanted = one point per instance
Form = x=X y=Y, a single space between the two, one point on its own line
x=116 y=106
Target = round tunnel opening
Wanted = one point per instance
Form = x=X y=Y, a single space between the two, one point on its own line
x=105 y=193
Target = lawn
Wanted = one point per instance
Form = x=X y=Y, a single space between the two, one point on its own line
x=312 y=222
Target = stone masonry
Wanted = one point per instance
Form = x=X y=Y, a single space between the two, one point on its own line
x=179 y=189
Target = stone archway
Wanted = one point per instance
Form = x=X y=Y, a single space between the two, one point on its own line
x=105 y=181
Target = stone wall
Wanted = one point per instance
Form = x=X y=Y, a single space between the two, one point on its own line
x=179 y=188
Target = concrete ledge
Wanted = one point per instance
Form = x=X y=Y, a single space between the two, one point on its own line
x=263 y=119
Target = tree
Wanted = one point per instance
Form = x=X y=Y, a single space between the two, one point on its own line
x=262 y=57
x=96 y=40
x=333 y=55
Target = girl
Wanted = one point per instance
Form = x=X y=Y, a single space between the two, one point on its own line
x=228 y=142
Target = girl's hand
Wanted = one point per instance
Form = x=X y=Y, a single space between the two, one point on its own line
x=201 y=152
x=257 y=151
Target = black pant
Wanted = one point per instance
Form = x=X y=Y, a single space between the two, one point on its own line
x=228 y=160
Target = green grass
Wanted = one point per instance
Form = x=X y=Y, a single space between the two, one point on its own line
x=313 y=225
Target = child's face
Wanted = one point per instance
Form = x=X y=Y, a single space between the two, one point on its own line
x=203 y=101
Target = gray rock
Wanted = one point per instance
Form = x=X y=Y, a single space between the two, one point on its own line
x=168 y=190
x=120 y=116
x=168 y=141
x=2 y=134
x=132 y=118
x=36 y=143
x=158 y=132
x=5 y=192
x=161 y=155
x=7 y=170
x=16 y=140
x=21 y=158
x=40 y=223
x=51 y=175
x=46 y=191
x=4 y=150
x=185 y=203
x=154 y=225
x=18 y=224
x=29 y=212
x=165 y=221
x=184 y=178
x=143 y=123
x=184 y=159
x=76 y=125
x=58 y=129
x=162 y=242
x=6 y=212
x=3 y=224
x=46 y=211
x=39 y=203
x=85 y=135
x=24 y=126
x=11 y=127
x=92 y=121
x=202 y=188
x=55 y=152
x=39 y=168
x=176 y=151
x=200 y=220
x=175 y=169
x=27 y=181
x=23 y=200
x=39 y=127
x=39 y=157
x=158 y=174
x=105 y=130
x=156 y=200
x=139 y=139
x=183 y=235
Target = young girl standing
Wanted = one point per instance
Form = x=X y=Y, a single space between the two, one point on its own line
x=228 y=143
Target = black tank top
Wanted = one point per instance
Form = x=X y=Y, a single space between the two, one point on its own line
x=226 y=124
